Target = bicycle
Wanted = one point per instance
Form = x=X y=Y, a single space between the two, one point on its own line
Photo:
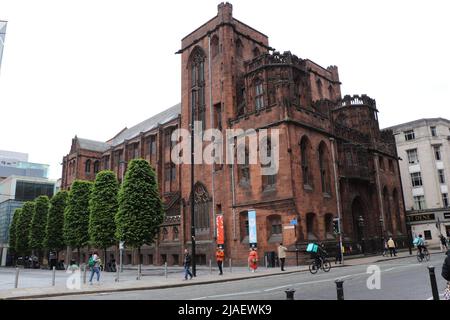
x=424 y=255
x=320 y=263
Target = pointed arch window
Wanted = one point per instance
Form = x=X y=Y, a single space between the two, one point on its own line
x=197 y=71
x=96 y=166
x=269 y=181
x=214 y=46
x=324 y=166
x=239 y=48
x=305 y=163
x=87 y=167
x=244 y=169
x=259 y=95
x=319 y=89
x=201 y=209
x=256 y=52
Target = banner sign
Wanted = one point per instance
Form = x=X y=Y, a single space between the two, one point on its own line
x=220 y=231
x=252 y=227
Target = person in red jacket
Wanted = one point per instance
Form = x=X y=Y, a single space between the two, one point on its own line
x=220 y=255
x=253 y=259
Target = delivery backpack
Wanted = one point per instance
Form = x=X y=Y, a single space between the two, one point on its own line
x=91 y=262
x=312 y=247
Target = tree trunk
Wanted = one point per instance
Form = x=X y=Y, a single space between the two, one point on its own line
x=105 y=263
x=139 y=255
x=79 y=256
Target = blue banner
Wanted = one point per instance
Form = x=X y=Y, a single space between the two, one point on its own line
x=252 y=227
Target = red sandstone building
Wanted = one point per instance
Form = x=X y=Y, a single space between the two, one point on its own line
x=232 y=78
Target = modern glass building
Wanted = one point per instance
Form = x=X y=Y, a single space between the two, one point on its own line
x=14 y=191
x=16 y=163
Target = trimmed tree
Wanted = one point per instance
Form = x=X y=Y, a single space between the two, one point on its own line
x=54 y=237
x=23 y=228
x=38 y=224
x=76 y=216
x=103 y=208
x=140 y=207
x=12 y=233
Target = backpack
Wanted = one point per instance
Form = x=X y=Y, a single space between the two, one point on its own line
x=91 y=262
x=312 y=247
x=416 y=241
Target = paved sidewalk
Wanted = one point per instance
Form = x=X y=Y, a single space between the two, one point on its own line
x=153 y=278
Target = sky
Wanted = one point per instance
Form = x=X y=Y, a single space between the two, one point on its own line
x=91 y=68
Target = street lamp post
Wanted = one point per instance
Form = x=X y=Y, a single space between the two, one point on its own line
x=361 y=226
x=192 y=200
x=121 y=244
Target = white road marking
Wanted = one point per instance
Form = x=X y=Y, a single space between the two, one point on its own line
x=227 y=295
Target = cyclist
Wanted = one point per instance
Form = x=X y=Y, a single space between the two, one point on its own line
x=321 y=255
x=420 y=243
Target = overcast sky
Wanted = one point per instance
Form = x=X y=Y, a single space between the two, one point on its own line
x=91 y=68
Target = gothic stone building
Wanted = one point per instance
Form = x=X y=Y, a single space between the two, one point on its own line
x=331 y=151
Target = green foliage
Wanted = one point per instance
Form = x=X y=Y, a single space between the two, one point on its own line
x=76 y=215
x=23 y=228
x=38 y=223
x=103 y=208
x=54 y=237
x=140 y=207
x=12 y=230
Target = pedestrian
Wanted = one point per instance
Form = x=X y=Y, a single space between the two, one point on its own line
x=187 y=265
x=94 y=263
x=385 y=248
x=282 y=255
x=444 y=242
x=391 y=246
x=339 y=253
x=446 y=275
x=253 y=259
x=220 y=256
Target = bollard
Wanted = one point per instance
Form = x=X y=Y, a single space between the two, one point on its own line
x=165 y=269
x=139 y=272
x=16 y=282
x=265 y=262
x=53 y=276
x=84 y=274
x=210 y=266
x=434 y=287
x=340 y=289
x=290 y=294
x=231 y=269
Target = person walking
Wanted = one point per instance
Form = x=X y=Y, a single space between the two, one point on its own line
x=444 y=243
x=187 y=265
x=253 y=259
x=446 y=275
x=220 y=256
x=339 y=253
x=385 y=248
x=391 y=246
x=282 y=255
x=94 y=263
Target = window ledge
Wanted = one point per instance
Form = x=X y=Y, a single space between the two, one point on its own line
x=307 y=187
x=268 y=189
